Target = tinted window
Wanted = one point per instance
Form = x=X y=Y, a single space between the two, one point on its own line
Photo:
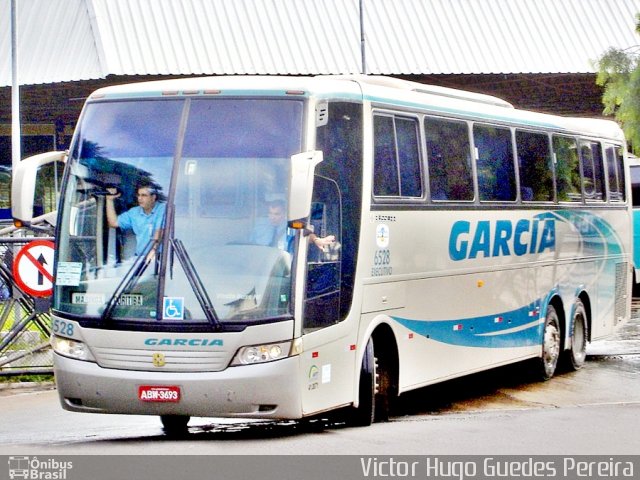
x=124 y=129
x=385 y=170
x=536 y=167
x=409 y=157
x=341 y=143
x=448 y=154
x=567 y=169
x=615 y=170
x=396 y=157
x=592 y=170
x=496 y=173
x=250 y=128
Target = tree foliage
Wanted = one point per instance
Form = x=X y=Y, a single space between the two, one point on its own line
x=619 y=74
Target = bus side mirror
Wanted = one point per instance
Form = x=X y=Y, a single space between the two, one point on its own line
x=23 y=186
x=301 y=183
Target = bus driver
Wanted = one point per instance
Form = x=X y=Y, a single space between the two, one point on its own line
x=145 y=219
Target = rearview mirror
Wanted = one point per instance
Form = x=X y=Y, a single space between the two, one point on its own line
x=23 y=187
x=301 y=183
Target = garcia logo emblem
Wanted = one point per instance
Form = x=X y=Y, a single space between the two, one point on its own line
x=158 y=360
x=382 y=235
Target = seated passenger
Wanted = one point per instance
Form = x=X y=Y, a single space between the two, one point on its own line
x=274 y=232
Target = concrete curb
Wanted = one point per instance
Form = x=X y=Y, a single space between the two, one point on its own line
x=9 y=388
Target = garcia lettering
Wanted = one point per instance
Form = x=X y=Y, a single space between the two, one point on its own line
x=501 y=238
x=184 y=342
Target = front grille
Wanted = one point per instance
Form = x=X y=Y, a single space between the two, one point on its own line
x=172 y=361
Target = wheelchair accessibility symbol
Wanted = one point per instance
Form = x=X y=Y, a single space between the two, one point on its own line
x=173 y=308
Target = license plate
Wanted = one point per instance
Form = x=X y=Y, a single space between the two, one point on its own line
x=155 y=393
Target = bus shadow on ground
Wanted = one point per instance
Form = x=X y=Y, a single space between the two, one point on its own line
x=465 y=393
x=442 y=398
x=478 y=392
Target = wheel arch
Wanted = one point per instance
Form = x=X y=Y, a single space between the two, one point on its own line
x=385 y=348
x=586 y=301
x=378 y=375
x=557 y=303
x=565 y=317
x=385 y=345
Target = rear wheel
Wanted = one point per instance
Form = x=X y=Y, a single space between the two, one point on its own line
x=175 y=425
x=548 y=361
x=575 y=357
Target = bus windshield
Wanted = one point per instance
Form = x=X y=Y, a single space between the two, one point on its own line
x=198 y=188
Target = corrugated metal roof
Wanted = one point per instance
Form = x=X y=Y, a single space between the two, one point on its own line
x=56 y=42
x=495 y=36
x=63 y=40
x=229 y=37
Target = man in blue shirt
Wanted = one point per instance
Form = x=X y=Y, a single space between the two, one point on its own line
x=145 y=220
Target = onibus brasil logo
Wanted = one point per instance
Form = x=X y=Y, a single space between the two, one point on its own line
x=33 y=468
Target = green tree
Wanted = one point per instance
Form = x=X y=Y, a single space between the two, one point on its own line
x=619 y=74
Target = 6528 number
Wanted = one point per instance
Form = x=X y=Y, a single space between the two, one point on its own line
x=382 y=257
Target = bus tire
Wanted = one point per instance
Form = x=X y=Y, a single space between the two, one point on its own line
x=175 y=425
x=364 y=414
x=551 y=342
x=575 y=357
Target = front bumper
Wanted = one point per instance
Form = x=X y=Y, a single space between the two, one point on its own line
x=269 y=390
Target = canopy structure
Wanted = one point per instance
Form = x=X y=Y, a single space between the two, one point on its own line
x=72 y=40
x=535 y=54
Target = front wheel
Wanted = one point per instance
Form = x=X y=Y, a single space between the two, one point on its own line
x=377 y=387
x=551 y=342
x=175 y=425
x=575 y=357
x=364 y=415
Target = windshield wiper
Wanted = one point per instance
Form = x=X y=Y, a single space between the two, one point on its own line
x=196 y=283
x=130 y=279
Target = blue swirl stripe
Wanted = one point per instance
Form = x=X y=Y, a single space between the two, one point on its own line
x=597 y=234
x=517 y=328
x=523 y=326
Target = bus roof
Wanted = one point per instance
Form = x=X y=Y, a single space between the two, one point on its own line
x=379 y=90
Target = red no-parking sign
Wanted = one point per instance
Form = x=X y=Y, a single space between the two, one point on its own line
x=33 y=268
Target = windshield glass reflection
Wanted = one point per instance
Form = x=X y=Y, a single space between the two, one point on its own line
x=212 y=248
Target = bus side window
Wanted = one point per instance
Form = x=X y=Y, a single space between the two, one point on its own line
x=615 y=169
x=592 y=170
x=396 y=168
x=449 y=158
x=536 y=167
x=496 y=173
x=568 y=182
x=341 y=142
x=386 y=182
x=322 y=305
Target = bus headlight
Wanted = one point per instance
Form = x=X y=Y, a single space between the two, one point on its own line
x=71 y=348
x=262 y=353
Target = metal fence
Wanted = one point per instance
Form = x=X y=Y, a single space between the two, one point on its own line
x=25 y=322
